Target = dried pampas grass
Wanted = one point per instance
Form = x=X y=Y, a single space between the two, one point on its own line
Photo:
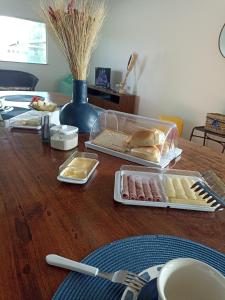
x=75 y=24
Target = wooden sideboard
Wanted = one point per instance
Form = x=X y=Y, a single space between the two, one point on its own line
x=109 y=99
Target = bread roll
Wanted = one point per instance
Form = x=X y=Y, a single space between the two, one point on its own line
x=111 y=139
x=148 y=153
x=146 y=138
x=164 y=149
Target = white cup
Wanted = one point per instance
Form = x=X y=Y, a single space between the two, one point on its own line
x=190 y=279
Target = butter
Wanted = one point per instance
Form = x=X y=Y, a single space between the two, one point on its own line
x=79 y=168
x=83 y=163
x=71 y=172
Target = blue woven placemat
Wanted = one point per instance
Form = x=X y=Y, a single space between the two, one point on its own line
x=134 y=254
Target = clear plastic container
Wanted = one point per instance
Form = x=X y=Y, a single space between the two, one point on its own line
x=32 y=119
x=78 y=167
x=64 y=137
x=143 y=140
x=159 y=188
x=28 y=120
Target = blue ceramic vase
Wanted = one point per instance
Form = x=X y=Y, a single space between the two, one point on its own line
x=79 y=112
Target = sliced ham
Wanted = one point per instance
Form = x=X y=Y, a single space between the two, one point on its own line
x=142 y=188
x=125 y=189
x=163 y=196
x=147 y=190
x=139 y=188
x=132 y=188
x=155 y=190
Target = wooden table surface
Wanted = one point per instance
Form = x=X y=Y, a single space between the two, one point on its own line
x=39 y=215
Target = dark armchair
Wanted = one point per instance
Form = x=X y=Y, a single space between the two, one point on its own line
x=17 y=80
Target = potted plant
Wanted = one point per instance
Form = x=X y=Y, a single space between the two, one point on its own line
x=76 y=25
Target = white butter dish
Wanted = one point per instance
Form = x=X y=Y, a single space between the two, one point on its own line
x=78 y=168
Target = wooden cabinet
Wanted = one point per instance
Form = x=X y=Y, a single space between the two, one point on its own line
x=109 y=99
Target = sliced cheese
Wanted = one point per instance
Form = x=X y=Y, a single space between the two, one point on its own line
x=179 y=190
x=168 y=186
x=187 y=188
x=188 y=201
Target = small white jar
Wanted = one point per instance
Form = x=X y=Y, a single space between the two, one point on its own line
x=64 y=137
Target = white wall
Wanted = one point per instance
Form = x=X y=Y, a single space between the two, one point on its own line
x=180 y=70
x=57 y=67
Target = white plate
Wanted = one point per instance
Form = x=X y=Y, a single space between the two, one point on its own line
x=77 y=181
x=148 y=274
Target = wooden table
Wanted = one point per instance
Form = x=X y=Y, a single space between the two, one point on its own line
x=39 y=215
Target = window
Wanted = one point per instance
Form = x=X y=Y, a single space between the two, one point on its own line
x=22 y=41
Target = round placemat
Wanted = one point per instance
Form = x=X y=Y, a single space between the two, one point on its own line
x=20 y=98
x=134 y=254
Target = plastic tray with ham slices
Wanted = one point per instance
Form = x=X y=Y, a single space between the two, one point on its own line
x=155 y=187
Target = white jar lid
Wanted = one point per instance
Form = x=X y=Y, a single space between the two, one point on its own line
x=64 y=129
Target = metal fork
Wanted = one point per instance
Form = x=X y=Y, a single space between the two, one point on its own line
x=124 y=277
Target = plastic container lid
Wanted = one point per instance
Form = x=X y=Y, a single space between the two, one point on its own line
x=168 y=182
x=113 y=132
x=69 y=166
x=64 y=129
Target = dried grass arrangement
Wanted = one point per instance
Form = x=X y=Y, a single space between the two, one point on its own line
x=75 y=24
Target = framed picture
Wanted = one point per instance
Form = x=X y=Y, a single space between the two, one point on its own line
x=102 y=77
